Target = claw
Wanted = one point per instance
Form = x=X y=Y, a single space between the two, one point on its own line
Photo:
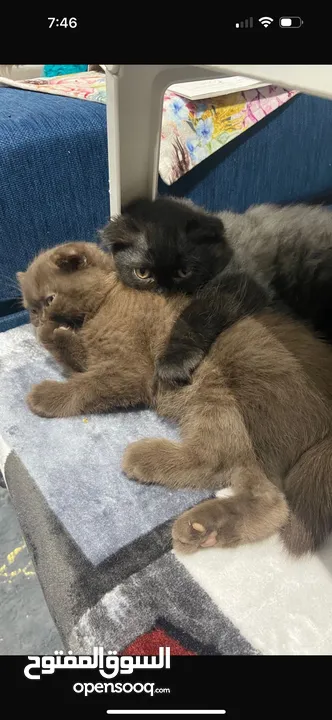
x=197 y=526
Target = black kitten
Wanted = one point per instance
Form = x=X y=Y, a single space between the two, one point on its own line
x=167 y=246
x=172 y=246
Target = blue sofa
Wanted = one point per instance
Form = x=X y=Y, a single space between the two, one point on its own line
x=54 y=177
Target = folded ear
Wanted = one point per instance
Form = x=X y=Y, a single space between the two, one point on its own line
x=205 y=229
x=119 y=233
x=70 y=259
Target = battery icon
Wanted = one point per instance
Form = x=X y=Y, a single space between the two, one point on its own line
x=290 y=22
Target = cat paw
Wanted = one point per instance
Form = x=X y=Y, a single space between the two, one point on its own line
x=202 y=527
x=141 y=460
x=54 y=336
x=46 y=398
x=45 y=332
x=62 y=334
x=176 y=369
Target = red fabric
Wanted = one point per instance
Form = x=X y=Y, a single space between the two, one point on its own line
x=150 y=643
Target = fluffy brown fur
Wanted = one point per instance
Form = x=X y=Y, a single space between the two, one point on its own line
x=257 y=416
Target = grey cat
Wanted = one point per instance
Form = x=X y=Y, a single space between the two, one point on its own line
x=232 y=264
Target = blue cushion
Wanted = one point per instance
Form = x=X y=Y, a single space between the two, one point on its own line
x=53 y=176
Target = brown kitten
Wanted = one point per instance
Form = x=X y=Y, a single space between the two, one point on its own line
x=257 y=416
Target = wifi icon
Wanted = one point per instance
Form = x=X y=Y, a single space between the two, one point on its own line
x=265 y=21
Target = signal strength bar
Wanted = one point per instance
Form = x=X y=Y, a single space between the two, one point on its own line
x=248 y=23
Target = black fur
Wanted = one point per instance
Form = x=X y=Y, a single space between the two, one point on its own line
x=164 y=236
x=223 y=301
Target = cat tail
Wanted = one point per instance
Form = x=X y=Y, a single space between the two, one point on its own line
x=308 y=491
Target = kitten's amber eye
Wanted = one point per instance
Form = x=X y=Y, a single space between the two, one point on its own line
x=182 y=272
x=143 y=273
x=49 y=300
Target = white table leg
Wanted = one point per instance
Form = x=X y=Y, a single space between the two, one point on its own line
x=134 y=115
